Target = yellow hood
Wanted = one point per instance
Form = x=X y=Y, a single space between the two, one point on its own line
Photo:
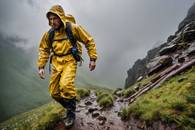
x=58 y=10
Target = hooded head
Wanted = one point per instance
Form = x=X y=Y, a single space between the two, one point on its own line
x=57 y=12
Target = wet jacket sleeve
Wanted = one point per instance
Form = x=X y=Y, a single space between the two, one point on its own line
x=44 y=51
x=84 y=37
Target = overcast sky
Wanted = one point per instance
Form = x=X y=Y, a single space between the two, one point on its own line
x=124 y=30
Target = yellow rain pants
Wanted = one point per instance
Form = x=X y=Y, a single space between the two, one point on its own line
x=62 y=78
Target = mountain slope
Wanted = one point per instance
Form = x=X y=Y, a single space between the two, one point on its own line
x=21 y=89
x=141 y=66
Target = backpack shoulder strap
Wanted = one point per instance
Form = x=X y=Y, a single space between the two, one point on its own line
x=68 y=32
x=51 y=36
x=70 y=35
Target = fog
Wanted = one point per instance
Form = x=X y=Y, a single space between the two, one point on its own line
x=123 y=30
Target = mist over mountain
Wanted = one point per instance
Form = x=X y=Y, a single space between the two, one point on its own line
x=117 y=45
x=189 y=17
x=21 y=89
x=139 y=69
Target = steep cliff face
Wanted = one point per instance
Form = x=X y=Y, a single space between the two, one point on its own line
x=139 y=69
x=190 y=17
x=153 y=61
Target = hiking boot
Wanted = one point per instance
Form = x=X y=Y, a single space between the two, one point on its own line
x=70 y=106
x=69 y=121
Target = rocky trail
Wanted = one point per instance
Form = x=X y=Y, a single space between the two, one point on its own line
x=89 y=116
x=174 y=57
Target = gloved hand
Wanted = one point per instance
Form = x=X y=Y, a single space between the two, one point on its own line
x=42 y=73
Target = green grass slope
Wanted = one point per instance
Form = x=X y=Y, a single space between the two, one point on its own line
x=21 y=89
x=37 y=119
x=172 y=102
x=45 y=116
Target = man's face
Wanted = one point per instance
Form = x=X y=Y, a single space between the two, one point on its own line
x=54 y=21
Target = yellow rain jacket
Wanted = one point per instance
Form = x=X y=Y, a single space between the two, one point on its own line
x=64 y=67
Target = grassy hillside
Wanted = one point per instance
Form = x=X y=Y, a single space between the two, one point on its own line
x=45 y=116
x=172 y=102
x=36 y=119
x=21 y=89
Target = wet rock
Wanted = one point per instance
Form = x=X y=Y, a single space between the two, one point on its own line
x=111 y=122
x=181 y=59
x=189 y=36
x=80 y=105
x=182 y=45
x=78 y=110
x=160 y=63
x=176 y=56
x=120 y=100
x=138 y=69
x=157 y=60
x=170 y=38
x=101 y=109
x=137 y=87
x=191 y=49
x=141 y=125
x=165 y=60
x=168 y=49
x=95 y=114
x=119 y=93
x=189 y=18
x=115 y=97
x=88 y=103
x=91 y=110
x=102 y=120
x=82 y=124
x=191 y=53
x=155 y=69
x=90 y=123
x=140 y=78
x=107 y=128
x=93 y=96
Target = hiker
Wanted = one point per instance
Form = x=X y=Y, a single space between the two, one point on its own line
x=62 y=44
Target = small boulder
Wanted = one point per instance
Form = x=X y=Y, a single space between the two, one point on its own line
x=188 y=36
x=102 y=120
x=191 y=49
x=92 y=109
x=88 y=103
x=160 y=63
x=95 y=114
x=181 y=59
x=140 y=78
x=170 y=38
x=167 y=50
